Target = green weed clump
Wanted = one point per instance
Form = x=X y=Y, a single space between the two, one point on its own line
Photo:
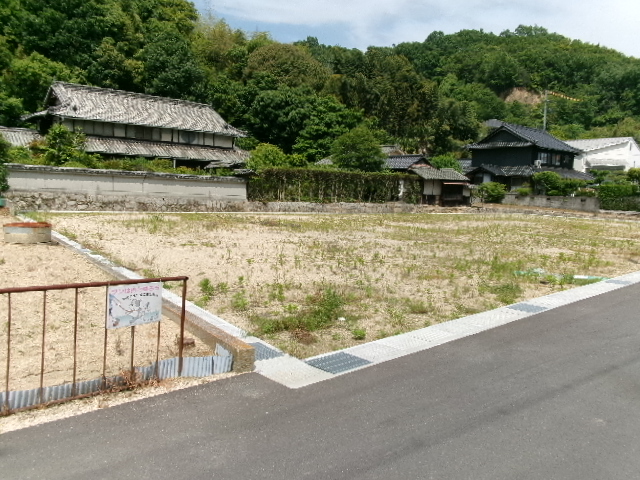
x=321 y=311
x=359 y=333
x=506 y=293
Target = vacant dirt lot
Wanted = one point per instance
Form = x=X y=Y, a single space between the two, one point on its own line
x=37 y=265
x=315 y=283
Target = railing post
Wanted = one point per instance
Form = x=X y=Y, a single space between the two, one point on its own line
x=44 y=335
x=6 y=390
x=75 y=345
x=182 y=319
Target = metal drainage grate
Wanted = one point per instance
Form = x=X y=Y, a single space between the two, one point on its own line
x=527 y=307
x=264 y=352
x=338 y=362
x=619 y=282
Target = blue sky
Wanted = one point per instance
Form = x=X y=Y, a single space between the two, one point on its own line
x=362 y=23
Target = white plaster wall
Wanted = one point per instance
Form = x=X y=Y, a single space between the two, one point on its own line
x=432 y=187
x=626 y=155
x=223 y=141
x=25 y=178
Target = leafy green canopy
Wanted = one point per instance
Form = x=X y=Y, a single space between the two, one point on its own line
x=426 y=96
x=358 y=149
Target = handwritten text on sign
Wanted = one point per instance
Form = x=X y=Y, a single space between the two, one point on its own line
x=136 y=304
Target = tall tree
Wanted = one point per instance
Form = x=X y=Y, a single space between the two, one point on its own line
x=358 y=149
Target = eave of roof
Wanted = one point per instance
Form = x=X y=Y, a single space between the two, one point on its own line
x=141 y=148
x=492 y=145
x=588 y=145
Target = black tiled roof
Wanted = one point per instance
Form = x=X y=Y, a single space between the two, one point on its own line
x=492 y=145
x=529 y=136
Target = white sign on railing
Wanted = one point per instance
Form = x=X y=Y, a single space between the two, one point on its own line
x=135 y=304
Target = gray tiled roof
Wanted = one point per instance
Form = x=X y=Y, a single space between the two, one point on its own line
x=82 y=102
x=429 y=173
x=19 y=137
x=506 y=171
x=465 y=164
x=567 y=173
x=402 y=162
x=529 y=136
x=517 y=171
x=138 y=148
x=219 y=157
x=527 y=171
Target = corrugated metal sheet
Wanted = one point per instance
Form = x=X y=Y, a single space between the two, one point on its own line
x=83 y=102
x=191 y=367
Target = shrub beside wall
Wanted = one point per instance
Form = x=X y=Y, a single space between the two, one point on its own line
x=619 y=197
x=329 y=186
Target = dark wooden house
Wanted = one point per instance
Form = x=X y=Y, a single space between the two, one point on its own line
x=510 y=154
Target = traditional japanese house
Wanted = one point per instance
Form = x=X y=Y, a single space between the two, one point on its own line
x=510 y=154
x=127 y=124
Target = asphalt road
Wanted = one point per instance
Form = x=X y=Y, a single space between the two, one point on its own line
x=553 y=396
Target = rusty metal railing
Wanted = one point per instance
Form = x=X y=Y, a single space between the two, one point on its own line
x=11 y=323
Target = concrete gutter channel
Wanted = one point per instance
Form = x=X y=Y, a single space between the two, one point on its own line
x=253 y=354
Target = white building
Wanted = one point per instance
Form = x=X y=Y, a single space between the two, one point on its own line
x=620 y=153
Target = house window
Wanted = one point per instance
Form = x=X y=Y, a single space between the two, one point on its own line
x=556 y=159
x=544 y=157
x=187 y=137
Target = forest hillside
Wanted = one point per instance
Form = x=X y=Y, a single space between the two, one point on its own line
x=429 y=96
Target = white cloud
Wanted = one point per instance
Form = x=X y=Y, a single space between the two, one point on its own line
x=384 y=22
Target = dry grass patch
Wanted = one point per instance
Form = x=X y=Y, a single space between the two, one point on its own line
x=316 y=283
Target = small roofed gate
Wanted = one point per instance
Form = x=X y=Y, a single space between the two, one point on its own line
x=445 y=187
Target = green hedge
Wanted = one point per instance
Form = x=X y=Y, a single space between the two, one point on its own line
x=619 y=197
x=330 y=186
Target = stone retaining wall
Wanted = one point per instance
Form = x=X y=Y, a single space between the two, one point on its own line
x=583 y=204
x=21 y=201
